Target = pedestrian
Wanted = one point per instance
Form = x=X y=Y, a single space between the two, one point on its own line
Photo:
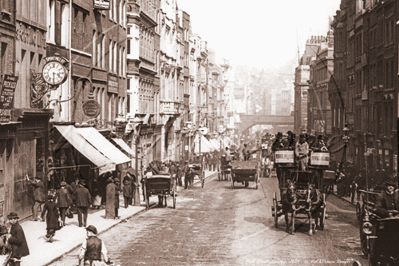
x=51 y=209
x=92 y=248
x=188 y=177
x=179 y=175
x=38 y=195
x=127 y=189
x=110 y=199
x=74 y=185
x=97 y=194
x=117 y=192
x=82 y=199
x=64 y=201
x=17 y=240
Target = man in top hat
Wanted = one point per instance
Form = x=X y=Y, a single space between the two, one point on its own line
x=387 y=201
x=17 y=240
x=302 y=152
x=38 y=195
x=64 y=200
x=82 y=199
x=92 y=248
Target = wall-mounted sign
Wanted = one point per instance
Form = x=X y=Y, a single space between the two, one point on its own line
x=91 y=108
x=113 y=84
x=101 y=4
x=7 y=92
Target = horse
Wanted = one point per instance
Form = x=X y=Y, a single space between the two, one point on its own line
x=297 y=203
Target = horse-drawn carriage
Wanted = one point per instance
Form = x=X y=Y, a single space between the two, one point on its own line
x=161 y=185
x=379 y=237
x=295 y=190
x=245 y=172
x=198 y=171
x=224 y=172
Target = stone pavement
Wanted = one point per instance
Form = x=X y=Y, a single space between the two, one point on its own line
x=72 y=236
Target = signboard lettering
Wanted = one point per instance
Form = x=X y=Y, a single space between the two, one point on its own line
x=7 y=97
x=113 y=84
x=284 y=157
x=101 y=4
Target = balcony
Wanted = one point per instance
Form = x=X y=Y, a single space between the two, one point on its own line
x=169 y=107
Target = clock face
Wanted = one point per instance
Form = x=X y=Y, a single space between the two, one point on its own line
x=54 y=73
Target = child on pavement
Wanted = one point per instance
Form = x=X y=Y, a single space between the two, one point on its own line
x=92 y=248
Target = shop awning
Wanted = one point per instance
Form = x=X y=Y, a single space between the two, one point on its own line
x=123 y=145
x=205 y=145
x=71 y=134
x=103 y=145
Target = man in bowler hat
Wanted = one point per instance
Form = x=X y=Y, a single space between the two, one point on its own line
x=387 y=202
x=64 y=200
x=38 y=195
x=17 y=240
x=82 y=199
x=92 y=248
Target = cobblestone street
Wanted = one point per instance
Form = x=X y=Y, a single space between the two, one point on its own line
x=218 y=225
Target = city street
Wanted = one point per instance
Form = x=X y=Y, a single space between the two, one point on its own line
x=218 y=225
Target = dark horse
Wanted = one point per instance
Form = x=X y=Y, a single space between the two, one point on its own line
x=294 y=202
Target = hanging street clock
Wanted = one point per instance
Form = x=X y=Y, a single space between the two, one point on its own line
x=54 y=73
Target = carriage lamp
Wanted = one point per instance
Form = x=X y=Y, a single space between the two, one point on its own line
x=367 y=228
x=345 y=137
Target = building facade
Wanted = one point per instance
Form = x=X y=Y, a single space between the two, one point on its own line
x=367 y=58
x=321 y=70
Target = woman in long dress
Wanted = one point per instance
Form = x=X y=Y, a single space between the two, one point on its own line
x=51 y=208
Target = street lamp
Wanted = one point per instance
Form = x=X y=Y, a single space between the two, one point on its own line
x=137 y=121
x=345 y=137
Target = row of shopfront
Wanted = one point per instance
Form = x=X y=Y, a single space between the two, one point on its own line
x=31 y=145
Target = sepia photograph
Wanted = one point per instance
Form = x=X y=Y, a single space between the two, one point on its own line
x=199 y=132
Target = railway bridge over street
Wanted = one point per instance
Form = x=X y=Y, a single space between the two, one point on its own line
x=247 y=121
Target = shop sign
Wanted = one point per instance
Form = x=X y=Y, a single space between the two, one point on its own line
x=7 y=93
x=91 y=108
x=113 y=84
x=7 y=97
x=284 y=156
x=101 y=4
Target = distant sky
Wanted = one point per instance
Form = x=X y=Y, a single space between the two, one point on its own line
x=260 y=33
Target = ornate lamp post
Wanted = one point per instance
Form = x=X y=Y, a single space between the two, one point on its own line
x=137 y=122
x=346 y=139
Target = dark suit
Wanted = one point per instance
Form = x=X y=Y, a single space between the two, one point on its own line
x=385 y=202
x=64 y=202
x=82 y=199
x=18 y=242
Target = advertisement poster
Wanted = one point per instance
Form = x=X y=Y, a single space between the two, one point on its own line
x=7 y=97
x=284 y=156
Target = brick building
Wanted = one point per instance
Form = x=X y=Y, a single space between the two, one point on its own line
x=367 y=43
